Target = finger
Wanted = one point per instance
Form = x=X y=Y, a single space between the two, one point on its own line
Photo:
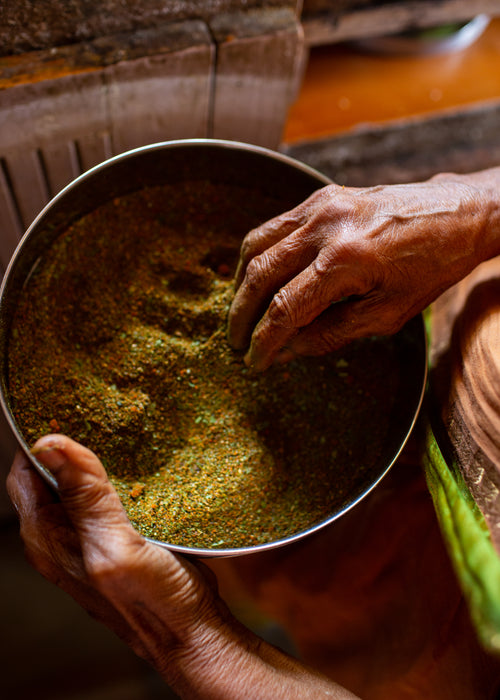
x=44 y=526
x=26 y=488
x=265 y=274
x=134 y=575
x=89 y=500
x=268 y=234
x=52 y=545
x=265 y=236
x=335 y=327
x=297 y=305
x=341 y=324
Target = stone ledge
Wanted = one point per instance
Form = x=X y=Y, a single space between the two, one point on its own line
x=26 y=25
x=408 y=150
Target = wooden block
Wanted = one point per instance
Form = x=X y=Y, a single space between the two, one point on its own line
x=62 y=163
x=40 y=124
x=28 y=184
x=259 y=64
x=26 y=25
x=53 y=129
x=162 y=97
x=11 y=227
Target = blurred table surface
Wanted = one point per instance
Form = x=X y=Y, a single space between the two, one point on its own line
x=344 y=87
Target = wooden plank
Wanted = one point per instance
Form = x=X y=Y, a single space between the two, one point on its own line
x=37 y=122
x=166 y=96
x=92 y=147
x=259 y=64
x=52 y=130
x=40 y=114
x=26 y=25
x=11 y=227
x=62 y=164
x=331 y=22
x=28 y=183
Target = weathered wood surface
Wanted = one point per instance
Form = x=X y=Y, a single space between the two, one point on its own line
x=26 y=25
x=83 y=56
x=330 y=21
x=465 y=380
x=66 y=109
x=160 y=98
x=259 y=63
x=54 y=128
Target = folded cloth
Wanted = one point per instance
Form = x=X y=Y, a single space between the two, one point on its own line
x=462 y=460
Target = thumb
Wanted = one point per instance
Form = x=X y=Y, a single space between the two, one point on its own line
x=90 y=501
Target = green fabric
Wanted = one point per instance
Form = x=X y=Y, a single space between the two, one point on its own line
x=467 y=537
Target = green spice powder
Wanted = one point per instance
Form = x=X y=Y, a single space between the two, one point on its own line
x=119 y=341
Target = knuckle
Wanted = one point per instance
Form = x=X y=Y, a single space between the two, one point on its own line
x=247 y=247
x=255 y=241
x=115 y=561
x=254 y=273
x=281 y=311
x=85 y=497
x=327 y=339
x=105 y=570
x=351 y=251
x=322 y=267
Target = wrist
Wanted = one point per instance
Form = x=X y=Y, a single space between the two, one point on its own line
x=229 y=662
x=480 y=196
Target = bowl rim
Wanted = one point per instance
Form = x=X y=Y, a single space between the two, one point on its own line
x=131 y=154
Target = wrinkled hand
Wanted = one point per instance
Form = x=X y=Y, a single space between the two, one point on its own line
x=351 y=262
x=163 y=606
x=85 y=544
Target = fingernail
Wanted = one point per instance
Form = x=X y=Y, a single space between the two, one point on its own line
x=255 y=365
x=48 y=451
x=250 y=363
x=250 y=369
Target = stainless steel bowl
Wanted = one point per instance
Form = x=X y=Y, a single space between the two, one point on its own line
x=220 y=162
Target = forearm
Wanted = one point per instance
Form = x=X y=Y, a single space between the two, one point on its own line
x=234 y=664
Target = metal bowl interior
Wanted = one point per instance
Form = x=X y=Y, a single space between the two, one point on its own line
x=221 y=162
